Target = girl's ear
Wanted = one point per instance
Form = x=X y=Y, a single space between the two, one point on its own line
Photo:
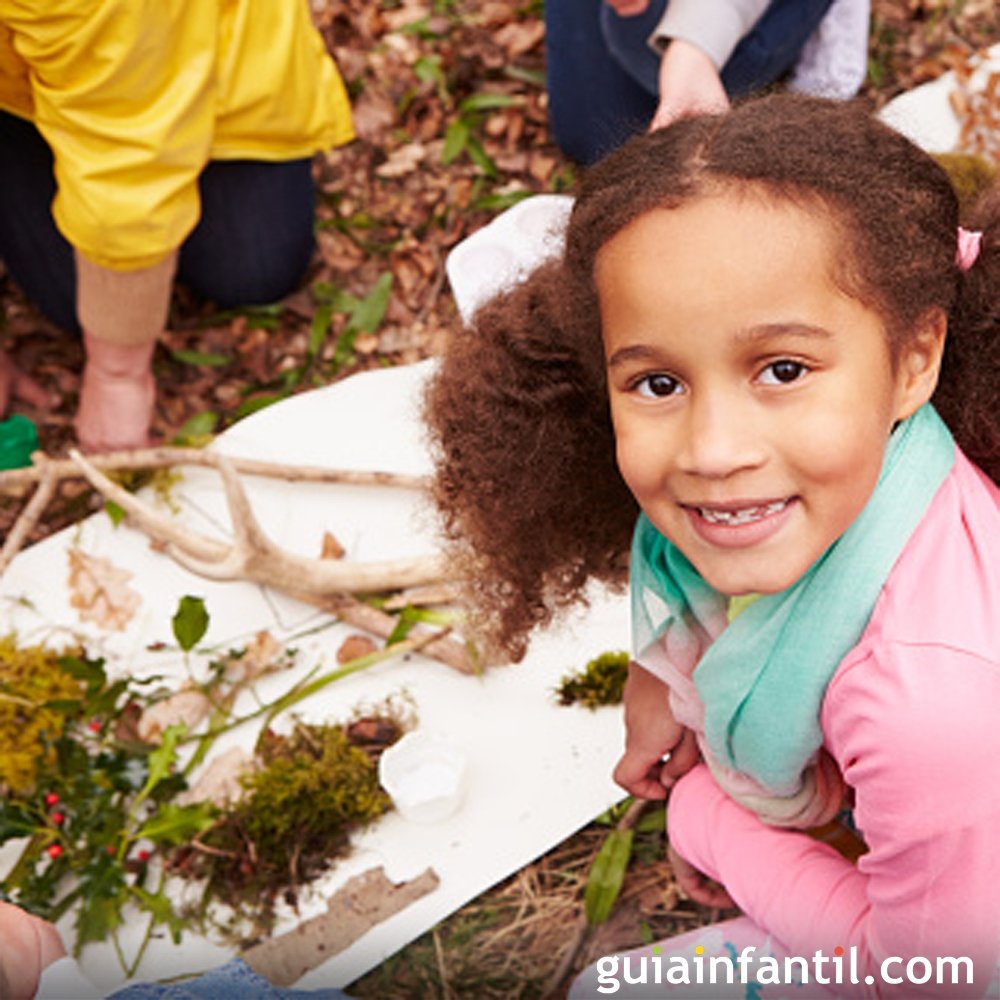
x=919 y=363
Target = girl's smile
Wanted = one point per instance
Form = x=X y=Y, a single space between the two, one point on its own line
x=752 y=397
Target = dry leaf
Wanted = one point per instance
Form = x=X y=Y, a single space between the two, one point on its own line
x=332 y=549
x=189 y=707
x=220 y=782
x=353 y=647
x=100 y=592
x=403 y=161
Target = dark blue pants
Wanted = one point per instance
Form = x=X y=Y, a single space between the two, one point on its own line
x=603 y=77
x=252 y=244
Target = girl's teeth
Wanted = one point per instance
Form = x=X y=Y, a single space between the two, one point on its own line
x=745 y=516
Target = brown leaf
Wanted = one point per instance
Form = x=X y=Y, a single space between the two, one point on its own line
x=331 y=548
x=353 y=647
x=100 y=592
x=519 y=37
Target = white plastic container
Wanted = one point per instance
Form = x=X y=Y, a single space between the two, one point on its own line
x=507 y=249
x=424 y=775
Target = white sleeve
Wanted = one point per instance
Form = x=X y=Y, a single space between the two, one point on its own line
x=64 y=980
x=715 y=26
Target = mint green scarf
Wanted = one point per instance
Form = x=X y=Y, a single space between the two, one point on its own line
x=762 y=678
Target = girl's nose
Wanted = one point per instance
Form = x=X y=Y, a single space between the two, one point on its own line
x=720 y=437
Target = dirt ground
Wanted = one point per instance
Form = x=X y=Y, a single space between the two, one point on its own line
x=450 y=110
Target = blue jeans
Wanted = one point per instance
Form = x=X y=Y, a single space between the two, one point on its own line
x=252 y=244
x=603 y=76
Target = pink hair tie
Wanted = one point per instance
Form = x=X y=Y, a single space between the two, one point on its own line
x=969 y=241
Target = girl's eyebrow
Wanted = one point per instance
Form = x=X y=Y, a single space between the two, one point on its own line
x=632 y=352
x=765 y=331
x=749 y=336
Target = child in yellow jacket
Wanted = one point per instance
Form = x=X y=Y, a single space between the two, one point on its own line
x=144 y=138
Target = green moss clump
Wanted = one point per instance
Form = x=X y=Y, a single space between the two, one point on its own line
x=30 y=678
x=969 y=174
x=601 y=682
x=312 y=789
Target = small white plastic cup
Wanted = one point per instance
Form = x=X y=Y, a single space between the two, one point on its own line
x=424 y=775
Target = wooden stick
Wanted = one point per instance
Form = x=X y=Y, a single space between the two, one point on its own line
x=158 y=458
x=450 y=652
x=29 y=516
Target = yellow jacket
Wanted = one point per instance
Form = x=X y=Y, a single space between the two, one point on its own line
x=135 y=96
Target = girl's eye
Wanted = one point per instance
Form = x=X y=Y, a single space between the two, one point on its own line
x=782 y=372
x=657 y=386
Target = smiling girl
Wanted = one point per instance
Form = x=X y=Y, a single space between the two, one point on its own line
x=748 y=341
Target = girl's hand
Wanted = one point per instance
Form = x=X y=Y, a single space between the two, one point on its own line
x=697 y=886
x=689 y=85
x=651 y=733
x=27 y=946
x=628 y=8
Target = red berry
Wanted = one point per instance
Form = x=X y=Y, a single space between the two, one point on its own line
x=57 y=818
x=54 y=851
x=111 y=850
x=51 y=799
x=95 y=726
x=143 y=855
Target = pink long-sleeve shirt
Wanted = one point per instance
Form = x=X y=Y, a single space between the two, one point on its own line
x=912 y=717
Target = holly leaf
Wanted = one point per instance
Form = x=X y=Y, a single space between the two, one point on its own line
x=174 y=824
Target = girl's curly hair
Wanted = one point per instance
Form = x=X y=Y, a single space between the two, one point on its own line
x=518 y=411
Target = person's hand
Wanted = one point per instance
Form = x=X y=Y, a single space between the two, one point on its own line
x=14 y=384
x=628 y=8
x=689 y=85
x=116 y=397
x=696 y=885
x=28 y=945
x=651 y=733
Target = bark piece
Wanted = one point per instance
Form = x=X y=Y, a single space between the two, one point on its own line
x=362 y=903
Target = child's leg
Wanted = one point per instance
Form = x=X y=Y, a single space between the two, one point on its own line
x=594 y=104
x=254 y=239
x=35 y=253
x=772 y=46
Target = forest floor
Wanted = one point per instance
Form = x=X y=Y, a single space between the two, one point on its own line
x=450 y=110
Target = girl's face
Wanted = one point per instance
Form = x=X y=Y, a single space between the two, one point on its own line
x=752 y=399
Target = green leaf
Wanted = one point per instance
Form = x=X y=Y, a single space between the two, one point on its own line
x=114 y=512
x=606 y=875
x=89 y=671
x=158 y=904
x=480 y=157
x=196 y=429
x=190 y=622
x=174 y=825
x=14 y=822
x=486 y=102
x=427 y=69
x=249 y=406
x=162 y=759
x=203 y=359
x=320 y=329
x=456 y=138
x=653 y=821
x=368 y=313
x=97 y=917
